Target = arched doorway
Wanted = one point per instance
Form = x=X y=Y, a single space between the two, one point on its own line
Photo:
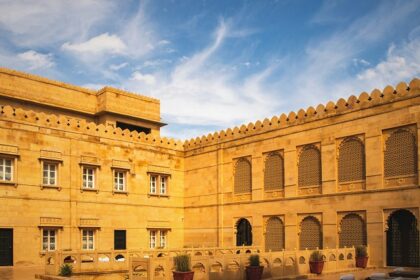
x=243 y=233
x=402 y=239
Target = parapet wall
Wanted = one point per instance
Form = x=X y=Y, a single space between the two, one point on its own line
x=342 y=106
x=85 y=128
x=44 y=92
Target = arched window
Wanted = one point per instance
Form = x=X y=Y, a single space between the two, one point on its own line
x=274 y=235
x=351 y=160
x=400 y=154
x=243 y=233
x=353 y=231
x=402 y=239
x=310 y=234
x=274 y=172
x=243 y=179
x=309 y=168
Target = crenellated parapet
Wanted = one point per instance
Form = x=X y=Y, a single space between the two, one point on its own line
x=64 y=123
x=341 y=106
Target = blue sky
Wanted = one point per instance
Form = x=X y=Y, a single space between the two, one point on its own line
x=216 y=64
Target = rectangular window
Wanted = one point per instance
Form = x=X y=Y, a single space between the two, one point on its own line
x=49 y=239
x=153 y=183
x=163 y=184
x=152 y=239
x=49 y=174
x=163 y=234
x=120 y=239
x=6 y=169
x=88 y=177
x=119 y=180
x=88 y=239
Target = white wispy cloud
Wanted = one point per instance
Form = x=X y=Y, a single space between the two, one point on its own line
x=202 y=94
x=321 y=74
x=35 y=23
x=98 y=45
x=148 y=79
x=116 y=67
x=402 y=63
x=36 y=60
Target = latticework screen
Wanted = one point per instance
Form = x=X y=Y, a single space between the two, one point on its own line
x=309 y=169
x=243 y=175
x=310 y=234
x=353 y=231
x=274 y=172
x=351 y=160
x=400 y=154
x=274 y=235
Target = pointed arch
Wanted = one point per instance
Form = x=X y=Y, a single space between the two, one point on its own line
x=352 y=231
x=351 y=160
x=273 y=172
x=242 y=176
x=274 y=234
x=310 y=236
x=400 y=156
x=243 y=232
x=309 y=166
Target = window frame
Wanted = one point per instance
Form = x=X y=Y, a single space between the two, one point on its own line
x=88 y=242
x=5 y=158
x=94 y=177
x=158 y=184
x=152 y=237
x=45 y=162
x=115 y=188
x=49 y=230
x=164 y=234
x=163 y=183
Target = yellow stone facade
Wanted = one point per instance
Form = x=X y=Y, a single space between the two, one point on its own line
x=211 y=183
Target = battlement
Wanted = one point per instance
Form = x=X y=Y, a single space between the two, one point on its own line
x=85 y=128
x=376 y=97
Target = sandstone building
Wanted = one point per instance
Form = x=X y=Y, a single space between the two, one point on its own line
x=87 y=170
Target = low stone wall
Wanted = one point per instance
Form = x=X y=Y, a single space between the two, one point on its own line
x=207 y=263
x=230 y=264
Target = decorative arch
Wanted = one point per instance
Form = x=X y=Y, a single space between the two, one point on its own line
x=243 y=232
x=242 y=176
x=351 y=160
x=274 y=234
x=400 y=155
x=273 y=172
x=309 y=166
x=310 y=236
x=402 y=239
x=352 y=231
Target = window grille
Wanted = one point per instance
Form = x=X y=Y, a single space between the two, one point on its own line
x=400 y=154
x=353 y=231
x=243 y=179
x=274 y=235
x=351 y=160
x=274 y=172
x=309 y=169
x=310 y=234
